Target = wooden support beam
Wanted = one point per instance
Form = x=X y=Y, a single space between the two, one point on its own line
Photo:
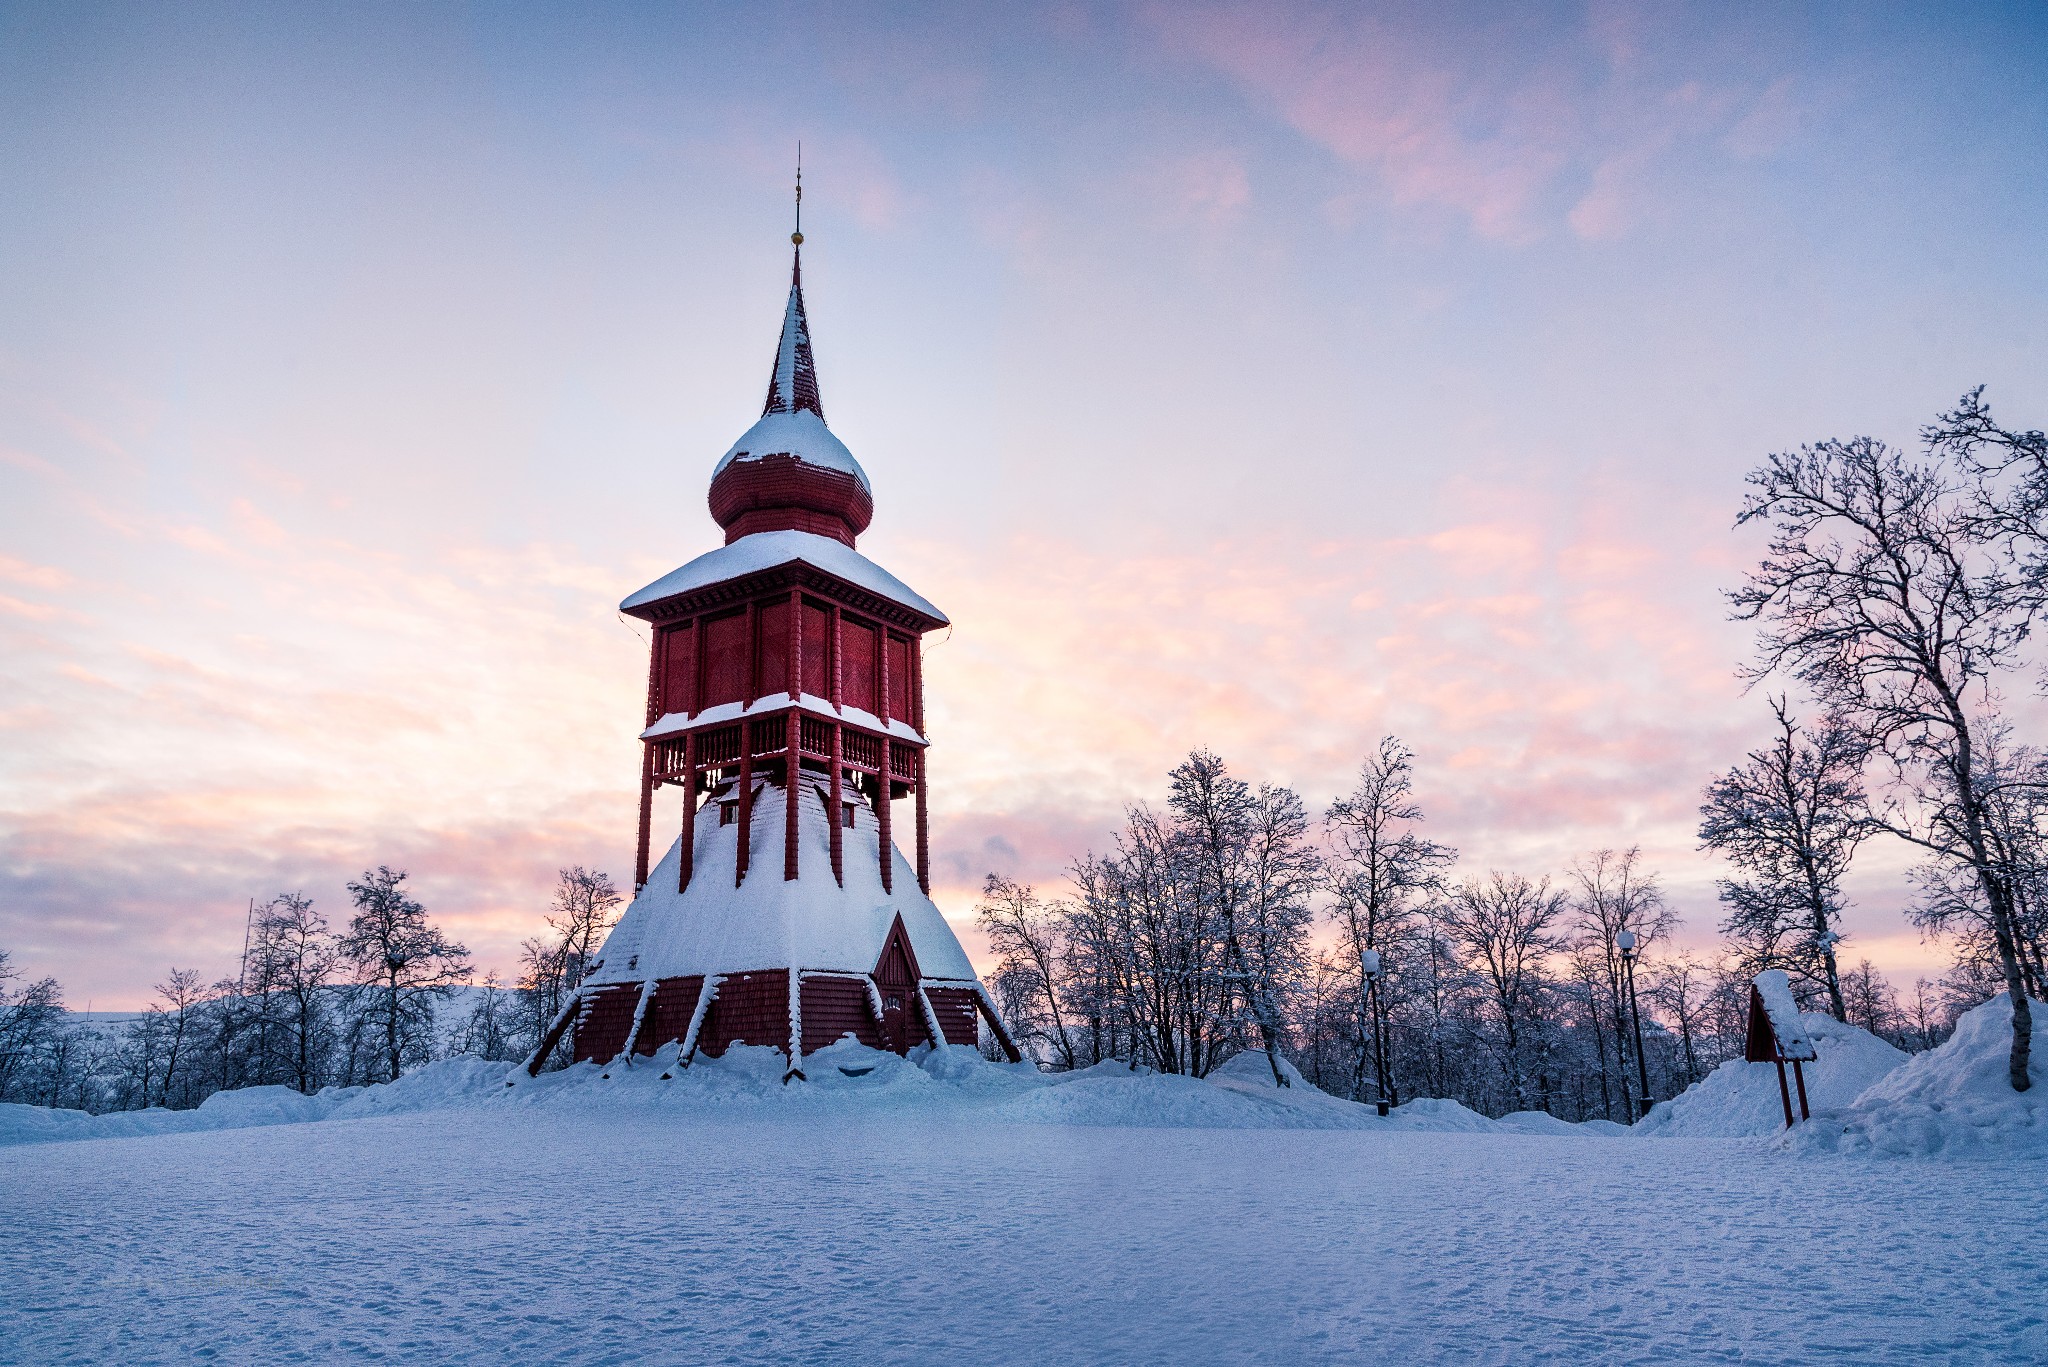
x=882 y=820
x=795 y=653
x=554 y=1035
x=832 y=671
x=746 y=801
x=790 y=787
x=838 y=803
x=647 y=752
x=924 y=841
x=686 y=863
x=1784 y=1093
x=882 y=681
x=1799 y=1076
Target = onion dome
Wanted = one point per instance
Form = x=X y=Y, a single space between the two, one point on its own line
x=789 y=473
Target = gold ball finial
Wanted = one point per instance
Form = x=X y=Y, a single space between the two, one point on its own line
x=797 y=238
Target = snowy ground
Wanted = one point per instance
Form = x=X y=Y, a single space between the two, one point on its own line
x=905 y=1216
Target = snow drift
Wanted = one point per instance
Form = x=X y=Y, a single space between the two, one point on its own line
x=846 y=1080
x=1956 y=1099
x=1740 y=1099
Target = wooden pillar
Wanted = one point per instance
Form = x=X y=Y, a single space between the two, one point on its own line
x=916 y=717
x=647 y=748
x=687 y=854
x=882 y=821
x=882 y=686
x=746 y=797
x=833 y=674
x=924 y=843
x=753 y=653
x=697 y=671
x=790 y=785
x=795 y=652
x=838 y=805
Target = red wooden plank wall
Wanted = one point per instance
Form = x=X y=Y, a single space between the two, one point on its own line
x=774 y=648
x=602 y=1023
x=899 y=678
x=817 y=628
x=728 y=655
x=834 y=1006
x=750 y=1008
x=678 y=668
x=857 y=673
x=668 y=1015
x=958 y=1019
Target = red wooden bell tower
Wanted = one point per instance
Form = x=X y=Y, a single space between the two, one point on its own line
x=785 y=700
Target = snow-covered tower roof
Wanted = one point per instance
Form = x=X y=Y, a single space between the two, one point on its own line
x=785 y=700
x=789 y=473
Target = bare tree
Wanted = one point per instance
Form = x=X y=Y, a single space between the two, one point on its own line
x=296 y=958
x=1252 y=867
x=177 y=1007
x=31 y=1018
x=402 y=962
x=1024 y=933
x=1790 y=817
x=1614 y=894
x=582 y=914
x=1503 y=922
x=1881 y=594
x=1383 y=870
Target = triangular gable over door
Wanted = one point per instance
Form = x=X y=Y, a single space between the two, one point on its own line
x=896 y=976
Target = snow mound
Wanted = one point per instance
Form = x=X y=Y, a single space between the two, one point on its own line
x=1741 y=1099
x=841 y=1084
x=1957 y=1099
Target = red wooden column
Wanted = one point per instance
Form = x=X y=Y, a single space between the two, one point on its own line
x=882 y=820
x=654 y=681
x=789 y=790
x=837 y=696
x=646 y=814
x=687 y=864
x=924 y=842
x=697 y=668
x=753 y=653
x=795 y=653
x=746 y=796
x=882 y=689
x=838 y=805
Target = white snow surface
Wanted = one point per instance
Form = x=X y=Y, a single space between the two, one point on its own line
x=1741 y=1098
x=1956 y=1099
x=765 y=551
x=675 y=723
x=810 y=922
x=802 y=434
x=944 y=1203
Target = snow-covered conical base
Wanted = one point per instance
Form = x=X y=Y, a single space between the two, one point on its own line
x=793 y=963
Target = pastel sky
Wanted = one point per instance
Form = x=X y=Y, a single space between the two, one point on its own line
x=1255 y=376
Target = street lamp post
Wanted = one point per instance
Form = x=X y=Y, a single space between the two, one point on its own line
x=1369 y=962
x=1625 y=941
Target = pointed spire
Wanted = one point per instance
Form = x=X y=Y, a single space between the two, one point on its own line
x=794 y=385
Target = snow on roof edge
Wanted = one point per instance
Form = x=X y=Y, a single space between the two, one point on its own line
x=767 y=550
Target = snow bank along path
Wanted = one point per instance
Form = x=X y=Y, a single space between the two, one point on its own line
x=635 y=1235
x=1741 y=1098
x=846 y=1077
x=1956 y=1100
